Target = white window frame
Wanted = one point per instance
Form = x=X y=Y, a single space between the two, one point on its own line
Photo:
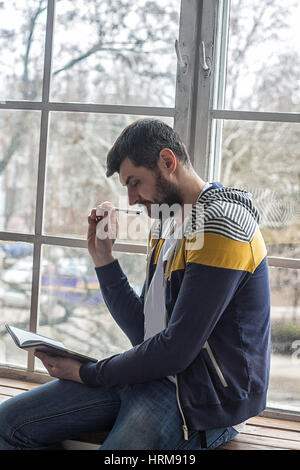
x=190 y=11
x=217 y=116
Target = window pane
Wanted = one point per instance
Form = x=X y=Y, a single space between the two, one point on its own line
x=19 y=148
x=264 y=159
x=72 y=309
x=22 y=42
x=284 y=390
x=264 y=56
x=15 y=296
x=76 y=180
x=116 y=52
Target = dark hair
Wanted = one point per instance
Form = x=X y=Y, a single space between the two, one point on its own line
x=141 y=141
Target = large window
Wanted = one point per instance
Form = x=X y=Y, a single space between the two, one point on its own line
x=255 y=146
x=224 y=73
x=73 y=75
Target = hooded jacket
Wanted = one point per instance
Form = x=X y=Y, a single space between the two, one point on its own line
x=217 y=336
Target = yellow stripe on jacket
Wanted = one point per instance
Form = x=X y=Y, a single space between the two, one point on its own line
x=157 y=249
x=215 y=250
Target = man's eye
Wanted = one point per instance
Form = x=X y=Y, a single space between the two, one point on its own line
x=134 y=184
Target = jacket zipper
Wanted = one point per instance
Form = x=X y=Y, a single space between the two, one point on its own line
x=206 y=346
x=184 y=426
x=215 y=364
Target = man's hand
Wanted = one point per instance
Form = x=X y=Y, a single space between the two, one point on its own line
x=102 y=233
x=60 y=367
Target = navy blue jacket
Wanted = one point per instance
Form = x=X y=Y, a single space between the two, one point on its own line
x=217 y=338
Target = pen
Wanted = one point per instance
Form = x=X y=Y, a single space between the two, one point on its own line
x=123 y=209
x=129 y=211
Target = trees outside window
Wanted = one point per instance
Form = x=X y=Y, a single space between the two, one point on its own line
x=73 y=75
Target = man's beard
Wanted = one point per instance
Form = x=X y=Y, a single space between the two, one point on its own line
x=167 y=196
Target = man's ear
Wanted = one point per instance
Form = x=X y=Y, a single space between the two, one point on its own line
x=167 y=160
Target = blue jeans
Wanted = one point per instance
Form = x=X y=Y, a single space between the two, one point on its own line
x=142 y=416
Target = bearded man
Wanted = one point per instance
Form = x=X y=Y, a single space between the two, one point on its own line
x=199 y=363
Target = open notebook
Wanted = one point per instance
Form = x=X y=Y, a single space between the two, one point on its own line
x=32 y=341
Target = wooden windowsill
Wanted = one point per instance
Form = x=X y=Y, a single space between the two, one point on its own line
x=260 y=433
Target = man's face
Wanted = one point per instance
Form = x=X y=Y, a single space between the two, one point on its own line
x=148 y=187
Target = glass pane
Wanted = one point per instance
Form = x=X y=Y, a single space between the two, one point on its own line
x=264 y=56
x=263 y=158
x=116 y=52
x=16 y=260
x=22 y=42
x=284 y=389
x=19 y=148
x=72 y=309
x=76 y=180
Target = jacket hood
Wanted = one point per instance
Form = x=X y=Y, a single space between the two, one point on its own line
x=216 y=192
x=212 y=201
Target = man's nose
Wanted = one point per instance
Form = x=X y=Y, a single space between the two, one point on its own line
x=133 y=197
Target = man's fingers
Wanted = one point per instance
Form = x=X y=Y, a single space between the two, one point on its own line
x=98 y=213
x=102 y=209
x=41 y=355
x=50 y=370
x=52 y=364
x=105 y=219
x=47 y=361
x=92 y=216
x=60 y=367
